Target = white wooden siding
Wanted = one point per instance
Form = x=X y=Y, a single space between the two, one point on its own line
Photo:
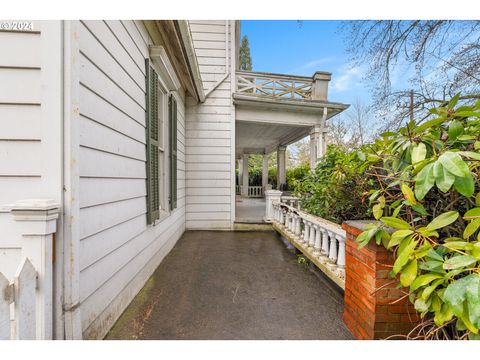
x=118 y=251
x=30 y=113
x=210 y=133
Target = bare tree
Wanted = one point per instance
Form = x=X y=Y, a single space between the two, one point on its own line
x=443 y=57
x=299 y=153
x=359 y=115
x=353 y=128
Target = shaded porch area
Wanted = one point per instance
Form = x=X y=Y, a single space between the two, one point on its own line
x=249 y=210
x=233 y=285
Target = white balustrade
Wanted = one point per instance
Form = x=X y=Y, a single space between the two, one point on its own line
x=320 y=239
x=255 y=191
x=274 y=85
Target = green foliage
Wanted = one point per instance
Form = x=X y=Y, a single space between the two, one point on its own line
x=336 y=189
x=426 y=178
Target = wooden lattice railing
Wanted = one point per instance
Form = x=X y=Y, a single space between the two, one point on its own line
x=274 y=85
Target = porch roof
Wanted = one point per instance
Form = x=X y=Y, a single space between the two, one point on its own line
x=276 y=110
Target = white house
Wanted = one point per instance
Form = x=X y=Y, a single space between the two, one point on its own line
x=130 y=131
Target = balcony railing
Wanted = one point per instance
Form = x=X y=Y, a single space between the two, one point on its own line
x=274 y=85
x=280 y=86
x=322 y=241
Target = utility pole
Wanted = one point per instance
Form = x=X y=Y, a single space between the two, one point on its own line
x=411 y=105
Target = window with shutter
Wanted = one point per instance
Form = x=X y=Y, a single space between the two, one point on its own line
x=172 y=116
x=152 y=137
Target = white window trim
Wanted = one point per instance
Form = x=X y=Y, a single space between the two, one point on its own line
x=164 y=67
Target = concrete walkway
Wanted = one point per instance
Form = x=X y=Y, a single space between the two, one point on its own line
x=233 y=285
x=249 y=210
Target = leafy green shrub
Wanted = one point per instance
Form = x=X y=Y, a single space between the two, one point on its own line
x=427 y=192
x=335 y=190
x=297 y=174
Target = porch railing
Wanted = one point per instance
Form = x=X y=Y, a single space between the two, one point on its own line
x=322 y=241
x=252 y=191
x=255 y=191
x=274 y=85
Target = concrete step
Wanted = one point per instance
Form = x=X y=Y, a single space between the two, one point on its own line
x=244 y=226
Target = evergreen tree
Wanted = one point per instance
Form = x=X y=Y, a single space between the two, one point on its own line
x=245 y=58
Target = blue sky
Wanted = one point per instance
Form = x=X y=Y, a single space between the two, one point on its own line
x=289 y=47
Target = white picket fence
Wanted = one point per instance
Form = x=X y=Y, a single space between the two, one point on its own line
x=18 y=304
x=26 y=269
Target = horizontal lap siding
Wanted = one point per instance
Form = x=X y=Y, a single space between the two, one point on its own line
x=30 y=142
x=118 y=251
x=209 y=134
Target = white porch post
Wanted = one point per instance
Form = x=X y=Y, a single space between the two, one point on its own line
x=38 y=222
x=240 y=173
x=318 y=141
x=245 y=175
x=313 y=148
x=265 y=172
x=281 y=164
x=271 y=196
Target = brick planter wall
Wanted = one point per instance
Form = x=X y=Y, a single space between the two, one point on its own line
x=369 y=314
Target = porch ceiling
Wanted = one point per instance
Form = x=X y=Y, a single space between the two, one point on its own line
x=263 y=138
x=264 y=123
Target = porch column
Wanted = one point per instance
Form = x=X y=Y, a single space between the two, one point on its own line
x=240 y=172
x=318 y=142
x=245 y=175
x=265 y=172
x=281 y=164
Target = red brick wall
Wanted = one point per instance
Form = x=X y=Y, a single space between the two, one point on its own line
x=369 y=292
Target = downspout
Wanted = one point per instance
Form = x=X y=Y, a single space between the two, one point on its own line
x=227 y=56
x=71 y=178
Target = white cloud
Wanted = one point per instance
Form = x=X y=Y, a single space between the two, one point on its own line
x=313 y=64
x=346 y=78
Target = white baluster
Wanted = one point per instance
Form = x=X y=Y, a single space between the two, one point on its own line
x=311 y=240
x=298 y=229
x=318 y=241
x=332 y=254
x=341 y=251
x=306 y=231
x=290 y=220
x=287 y=219
x=325 y=242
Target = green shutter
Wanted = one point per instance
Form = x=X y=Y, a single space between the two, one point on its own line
x=172 y=120
x=153 y=196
